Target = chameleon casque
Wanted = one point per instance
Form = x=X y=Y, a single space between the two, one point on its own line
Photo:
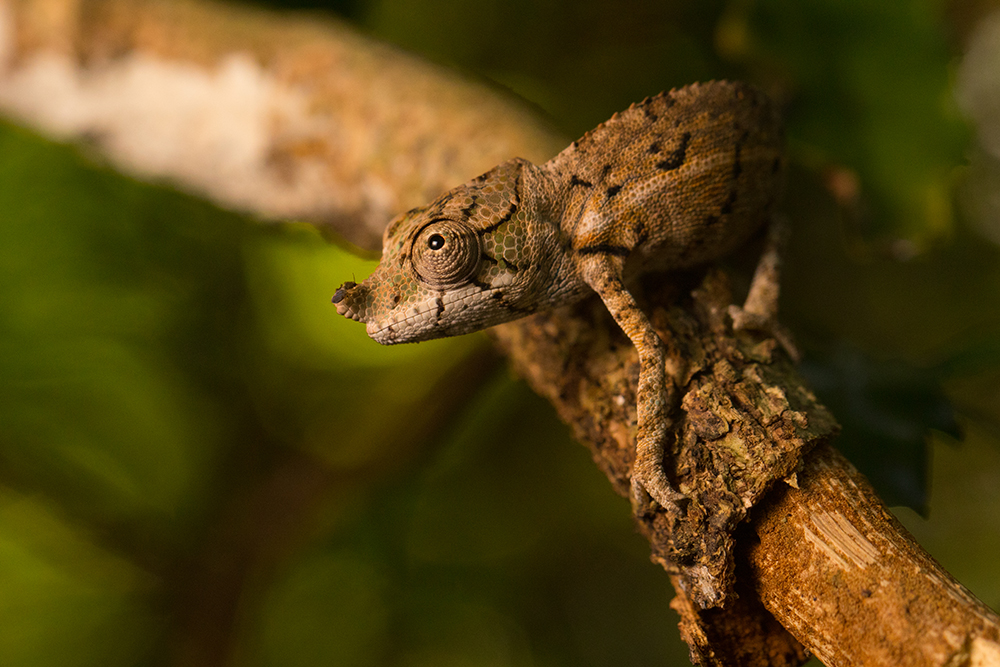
x=672 y=182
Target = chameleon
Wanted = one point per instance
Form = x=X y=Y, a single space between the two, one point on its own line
x=675 y=181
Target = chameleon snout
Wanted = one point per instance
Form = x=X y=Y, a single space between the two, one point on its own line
x=342 y=299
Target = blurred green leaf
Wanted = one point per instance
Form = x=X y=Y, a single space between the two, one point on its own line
x=158 y=358
x=871 y=92
x=63 y=601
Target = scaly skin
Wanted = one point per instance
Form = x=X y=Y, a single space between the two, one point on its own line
x=677 y=180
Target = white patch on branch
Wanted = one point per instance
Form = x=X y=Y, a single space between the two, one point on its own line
x=978 y=86
x=210 y=129
x=6 y=36
x=840 y=540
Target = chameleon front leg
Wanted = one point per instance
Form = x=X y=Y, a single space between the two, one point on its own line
x=604 y=275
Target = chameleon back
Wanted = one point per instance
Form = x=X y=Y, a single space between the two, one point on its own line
x=685 y=176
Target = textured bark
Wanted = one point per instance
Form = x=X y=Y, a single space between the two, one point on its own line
x=745 y=418
x=780 y=532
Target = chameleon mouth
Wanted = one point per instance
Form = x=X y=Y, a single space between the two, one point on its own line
x=345 y=310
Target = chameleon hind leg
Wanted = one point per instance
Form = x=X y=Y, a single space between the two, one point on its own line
x=604 y=275
x=760 y=310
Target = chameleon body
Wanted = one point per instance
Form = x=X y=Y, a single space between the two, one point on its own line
x=677 y=180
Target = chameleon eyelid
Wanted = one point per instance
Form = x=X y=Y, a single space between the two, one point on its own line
x=456 y=264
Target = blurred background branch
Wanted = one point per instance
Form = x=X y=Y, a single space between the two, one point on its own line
x=281 y=117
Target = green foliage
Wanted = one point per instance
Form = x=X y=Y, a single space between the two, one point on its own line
x=871 y=93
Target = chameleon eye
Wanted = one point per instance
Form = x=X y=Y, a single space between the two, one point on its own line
x=446 y=253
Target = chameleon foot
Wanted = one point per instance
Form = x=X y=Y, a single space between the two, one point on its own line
x=646 y=497
x=651 y=488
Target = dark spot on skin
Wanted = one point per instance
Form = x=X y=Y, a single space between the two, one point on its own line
x=727 y=206
x=510 y=266
x=737 y=165
x=654 y=148
x=576 y=180
x=605 y=249
x=616 y=283
x=467 y=211
x=341 y=292
x=488 y=258
x=440 y=308
x=613 y=190
x=505 y=218
x=866 y=593
x=510 y=211
x=479 y=283
x=677 y=157
x=499 y=297
x=436 y=210
x=396 y=298
x=605 y=170
x=711 y=220
x=642 y=234
x=650 y=114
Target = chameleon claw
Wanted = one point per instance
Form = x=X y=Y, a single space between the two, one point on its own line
x=760 y=310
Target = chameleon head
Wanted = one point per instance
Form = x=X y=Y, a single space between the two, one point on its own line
x=456 y=266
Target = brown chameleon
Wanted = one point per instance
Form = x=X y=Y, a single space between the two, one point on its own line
x=674 y=181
